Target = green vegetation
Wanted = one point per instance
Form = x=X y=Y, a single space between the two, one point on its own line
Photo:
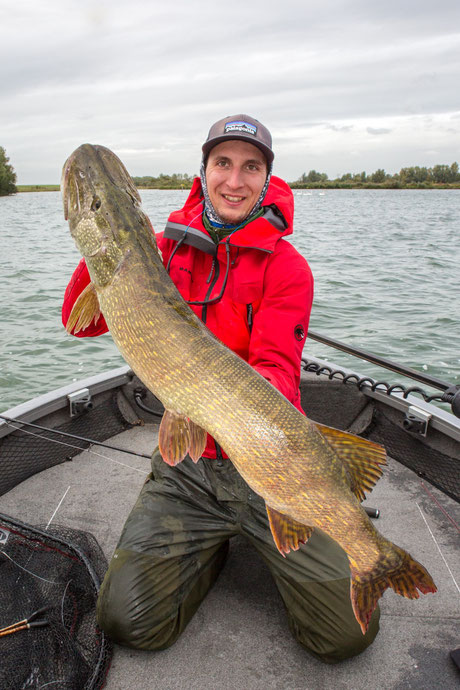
x=7 y=175
x=438 y=177
x=175 y=181
x=38 y=188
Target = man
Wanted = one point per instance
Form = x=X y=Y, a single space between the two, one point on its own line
x=226 y=253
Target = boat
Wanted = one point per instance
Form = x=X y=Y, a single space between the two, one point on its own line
x=76 y=458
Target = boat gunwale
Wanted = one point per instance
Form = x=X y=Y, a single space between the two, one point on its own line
x=57 y=399
x=441 y=420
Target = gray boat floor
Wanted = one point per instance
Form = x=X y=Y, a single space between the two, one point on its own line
x=239 y=637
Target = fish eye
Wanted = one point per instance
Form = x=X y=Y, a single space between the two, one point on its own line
x=96 y=205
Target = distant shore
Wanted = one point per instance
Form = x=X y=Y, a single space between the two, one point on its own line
x=38 y=187
x=294 y=185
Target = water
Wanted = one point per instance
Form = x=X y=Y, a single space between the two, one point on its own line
x=386 y=279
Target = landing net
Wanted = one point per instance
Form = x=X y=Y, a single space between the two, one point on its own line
x=49 y=637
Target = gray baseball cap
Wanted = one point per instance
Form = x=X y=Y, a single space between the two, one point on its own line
x=242 y=127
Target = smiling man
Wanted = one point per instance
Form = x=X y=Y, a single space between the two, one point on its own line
x=236 y=168
x=236 y=174
x=225 y=251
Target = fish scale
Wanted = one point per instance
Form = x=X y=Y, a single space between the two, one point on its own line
x=310 y=476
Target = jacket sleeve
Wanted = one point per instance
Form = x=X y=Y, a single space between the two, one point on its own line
x=280 y=323
x=79 y=280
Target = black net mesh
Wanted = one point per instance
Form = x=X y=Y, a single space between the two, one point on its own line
x=439 y=469
x=55 y=574
x=23 y=454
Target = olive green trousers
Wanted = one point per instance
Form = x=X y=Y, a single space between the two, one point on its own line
x=174 y=545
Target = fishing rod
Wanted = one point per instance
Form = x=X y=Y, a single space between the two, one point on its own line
x=26 y=623
x=72 y=436
x=372 y=512
x=450 y=390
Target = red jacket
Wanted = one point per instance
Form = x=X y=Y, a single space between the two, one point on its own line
x=260 y=288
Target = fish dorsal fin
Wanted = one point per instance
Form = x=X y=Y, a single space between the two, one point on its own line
x=361 y=458
x=178 y=436
x=85 y=309
x=174 y=437
x=287 y=532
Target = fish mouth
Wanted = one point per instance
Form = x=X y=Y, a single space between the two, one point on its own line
x=76 y=178
x=65 y=185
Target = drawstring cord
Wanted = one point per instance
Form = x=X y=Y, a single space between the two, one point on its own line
x=214 y=300
x=181 y=241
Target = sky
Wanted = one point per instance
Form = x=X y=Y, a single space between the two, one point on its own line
x=343 y=85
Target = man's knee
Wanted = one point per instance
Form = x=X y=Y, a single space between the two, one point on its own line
x=146 y=603
x=130 y=631
x=334 y=644
x=129 y=608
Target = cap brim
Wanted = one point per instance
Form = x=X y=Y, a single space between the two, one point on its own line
x=208 y=145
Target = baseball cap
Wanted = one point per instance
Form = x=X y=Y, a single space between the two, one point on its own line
x=242 y=127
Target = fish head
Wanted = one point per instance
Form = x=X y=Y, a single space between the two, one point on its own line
x=104 y=210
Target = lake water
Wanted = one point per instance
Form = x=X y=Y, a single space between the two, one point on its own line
x=386 y=267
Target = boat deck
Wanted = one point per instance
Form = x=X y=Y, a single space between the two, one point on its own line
x=239 y=637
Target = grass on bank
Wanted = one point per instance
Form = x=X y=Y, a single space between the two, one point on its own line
x=38 y=187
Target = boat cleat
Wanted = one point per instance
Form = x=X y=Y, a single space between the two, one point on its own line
x=416 y=420
x=80 y=401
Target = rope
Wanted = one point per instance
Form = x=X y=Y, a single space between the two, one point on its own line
x=366 y=381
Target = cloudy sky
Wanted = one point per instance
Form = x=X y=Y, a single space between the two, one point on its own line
x=343 y=85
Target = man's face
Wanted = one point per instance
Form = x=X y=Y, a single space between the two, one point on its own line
x=235 y=176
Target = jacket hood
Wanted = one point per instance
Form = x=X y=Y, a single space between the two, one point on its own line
x=277 y=221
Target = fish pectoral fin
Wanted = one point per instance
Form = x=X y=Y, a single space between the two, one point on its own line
x=361 y=458
x=174 y=437
x=198 y=438
x=287 y=532
x=84 y=311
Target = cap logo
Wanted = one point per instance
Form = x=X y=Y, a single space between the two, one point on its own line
x=240 y=126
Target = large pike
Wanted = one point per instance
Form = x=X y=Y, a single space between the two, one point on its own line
x=310 y=476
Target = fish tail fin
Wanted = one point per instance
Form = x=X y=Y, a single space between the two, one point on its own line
x=364 y=594
x=407 y=578
x=410 y=577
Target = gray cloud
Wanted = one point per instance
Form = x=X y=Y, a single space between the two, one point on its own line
x=378 y=130
x=147 y=79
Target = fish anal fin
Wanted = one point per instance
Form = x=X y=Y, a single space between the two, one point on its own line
x=198 y=438
x=84 y=311
x=287 y=533
x=363 y=459
x=405 y=579
x=174 y=437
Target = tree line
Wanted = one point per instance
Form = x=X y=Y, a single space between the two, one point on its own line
x=175 y=181
x=414 y=177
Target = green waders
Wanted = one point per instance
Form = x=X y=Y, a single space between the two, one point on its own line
x=175 y=542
